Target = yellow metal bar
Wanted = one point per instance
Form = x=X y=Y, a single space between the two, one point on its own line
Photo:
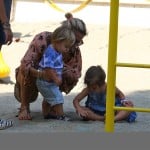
x=80 y=7
x=111 y=73
x=133 y=109
x=133 y=65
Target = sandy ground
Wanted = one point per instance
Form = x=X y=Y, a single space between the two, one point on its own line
x=133 y=47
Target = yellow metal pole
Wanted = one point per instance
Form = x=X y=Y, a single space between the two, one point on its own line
x=111 y=73
x=139 y=109
x=133 y=65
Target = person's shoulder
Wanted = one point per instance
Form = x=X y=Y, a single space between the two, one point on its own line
x=86 y=90
x=44 y=33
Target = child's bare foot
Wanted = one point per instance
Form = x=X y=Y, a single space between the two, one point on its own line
x=24 y=114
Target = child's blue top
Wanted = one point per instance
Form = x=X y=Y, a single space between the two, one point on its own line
x=97 y=101
x=52 y=59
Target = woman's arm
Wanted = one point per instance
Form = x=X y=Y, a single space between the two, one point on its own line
x=47 y=74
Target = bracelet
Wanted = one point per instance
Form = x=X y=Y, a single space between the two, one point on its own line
x=39 y=74
x=123 y=100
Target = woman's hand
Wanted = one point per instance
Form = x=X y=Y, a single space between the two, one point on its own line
x=8 y=33
x=8 y=36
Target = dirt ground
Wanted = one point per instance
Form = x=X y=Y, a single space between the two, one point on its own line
x=133 y=47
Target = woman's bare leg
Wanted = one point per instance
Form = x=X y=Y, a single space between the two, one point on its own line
x=24 y=113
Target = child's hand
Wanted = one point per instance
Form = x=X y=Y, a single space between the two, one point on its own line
x=58 y=81
x=127 y=103
x=82 y=113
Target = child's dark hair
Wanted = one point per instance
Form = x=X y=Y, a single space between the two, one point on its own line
x=95 y=75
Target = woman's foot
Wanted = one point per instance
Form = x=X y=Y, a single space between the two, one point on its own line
x=24 y=114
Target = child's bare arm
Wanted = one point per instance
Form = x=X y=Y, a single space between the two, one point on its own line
x=119 y=94
x=123 y=99
x=78 y=99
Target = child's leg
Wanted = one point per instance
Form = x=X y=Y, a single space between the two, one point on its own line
x=121 y=115
x=57 y=110
x=93 y=116
x=45 y=108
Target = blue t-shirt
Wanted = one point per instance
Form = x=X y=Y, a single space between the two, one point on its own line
x=52 y=59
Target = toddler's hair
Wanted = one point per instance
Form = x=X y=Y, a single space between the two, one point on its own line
x=95 y=75
x=63 y=34
x=74 y=24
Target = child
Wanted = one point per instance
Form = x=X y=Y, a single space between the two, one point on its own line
x=95 y=105
x=62 y=39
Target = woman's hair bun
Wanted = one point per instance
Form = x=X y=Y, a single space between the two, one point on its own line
x=68 y=16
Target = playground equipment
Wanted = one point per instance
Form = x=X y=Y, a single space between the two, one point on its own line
x=4 y=68
x=112 y=64
x=81 y=6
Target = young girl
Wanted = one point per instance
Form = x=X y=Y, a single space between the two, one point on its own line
x=62 y=39
x=95 y=105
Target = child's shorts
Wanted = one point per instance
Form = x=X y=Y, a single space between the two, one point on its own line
x=132 y=117
x=50 y=91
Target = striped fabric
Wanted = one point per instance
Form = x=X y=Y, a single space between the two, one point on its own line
x=5 y=124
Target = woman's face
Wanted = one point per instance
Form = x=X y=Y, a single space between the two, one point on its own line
x=79 y=38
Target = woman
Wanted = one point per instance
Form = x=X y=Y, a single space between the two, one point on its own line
x=27 y=72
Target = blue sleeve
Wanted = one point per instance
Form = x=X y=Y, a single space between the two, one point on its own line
x=47 y=60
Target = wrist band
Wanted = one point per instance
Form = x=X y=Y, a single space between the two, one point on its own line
x=123 y=100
